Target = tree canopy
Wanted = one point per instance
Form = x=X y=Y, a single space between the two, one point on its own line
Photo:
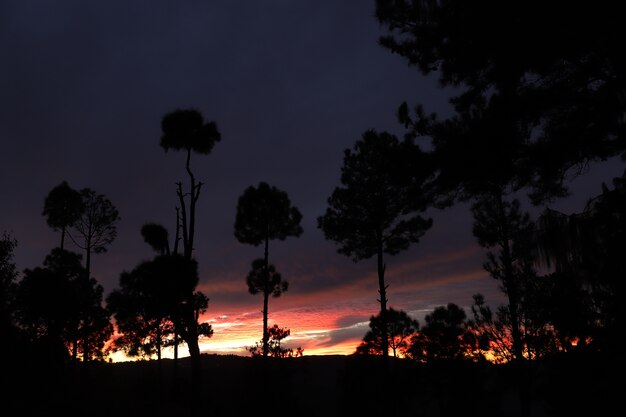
x=63 y=206
x=265 y=213
x=378 y=209
x=539 y=88
x=186 y=129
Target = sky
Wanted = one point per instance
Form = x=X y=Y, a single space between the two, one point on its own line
x=290 y=84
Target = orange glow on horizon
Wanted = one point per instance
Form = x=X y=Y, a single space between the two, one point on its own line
x=316 y=331
x=331 y=321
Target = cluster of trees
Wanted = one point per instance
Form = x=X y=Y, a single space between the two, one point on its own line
x=532 y=109
x=158 y=304
x=57 y=309
x=539 y=95
x=571 y=306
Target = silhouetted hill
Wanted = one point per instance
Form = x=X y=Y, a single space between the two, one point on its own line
x=311 y=386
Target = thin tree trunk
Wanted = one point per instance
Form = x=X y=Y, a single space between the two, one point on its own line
x=191 y=331
x=266 y=295
x=512 y=290
x=85 y=318
x=183 y=219
x=382 y=291
x=175 y=355
x=62 y=237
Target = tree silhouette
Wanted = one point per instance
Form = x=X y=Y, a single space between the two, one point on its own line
x=48 y=309
x=140 y=307
x=151 y=306
x=378 y=209
x=256 y=279
x=93 y=231
x=8 y=288
x=443 y=337
x=491 y=332
x=546 y=101
x=502 y=225
x=399 y=328
x=157 y=237
x=96 y=326
x=96 y=228
x=63 y=206
x=276 y=335
x=265 y=213
x=8 y=276
x=180 y=278
x=584 y=250
x=57 y=307
x=532 y=298
x=186 y=130
x=533 y=109
x=265 y=281
x=568 y=245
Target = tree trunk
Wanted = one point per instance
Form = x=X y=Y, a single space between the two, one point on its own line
x=188 y=226
x=85 y=318
x=511 y=285
x=266 y=295
x=62 y=237
x=382 y=290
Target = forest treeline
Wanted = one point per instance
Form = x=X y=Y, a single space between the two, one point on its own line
x=540 y=96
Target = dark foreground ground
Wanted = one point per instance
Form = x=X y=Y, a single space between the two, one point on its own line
x=314 y=386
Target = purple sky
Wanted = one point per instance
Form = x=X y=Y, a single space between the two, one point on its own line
x=290 y=84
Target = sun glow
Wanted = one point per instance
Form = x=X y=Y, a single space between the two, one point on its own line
x=322 y=322
x=318 y=332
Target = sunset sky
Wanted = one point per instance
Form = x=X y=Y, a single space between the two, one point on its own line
x=290 y=84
